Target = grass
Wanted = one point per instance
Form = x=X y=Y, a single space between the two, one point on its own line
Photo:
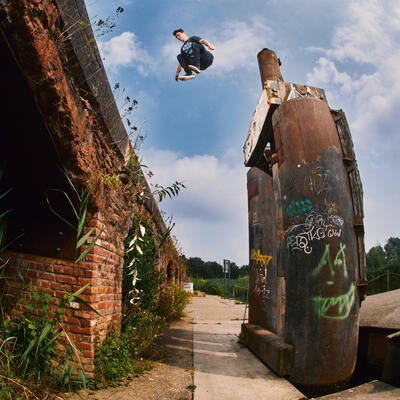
x=238 y=287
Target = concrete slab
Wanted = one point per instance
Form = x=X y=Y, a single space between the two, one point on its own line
x=375 y=390
x=225 y=369
x=381 y=310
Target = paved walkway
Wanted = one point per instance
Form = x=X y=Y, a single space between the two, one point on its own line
x=224 y=369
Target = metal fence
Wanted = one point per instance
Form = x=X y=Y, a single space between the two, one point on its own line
x=384 y=283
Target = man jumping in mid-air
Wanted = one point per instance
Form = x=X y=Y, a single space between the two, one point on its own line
x=193 y=56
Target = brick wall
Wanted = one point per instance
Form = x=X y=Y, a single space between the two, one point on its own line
x=102 y=270
x=71 y=108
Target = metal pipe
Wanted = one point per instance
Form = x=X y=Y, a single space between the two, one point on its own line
x=268 y=63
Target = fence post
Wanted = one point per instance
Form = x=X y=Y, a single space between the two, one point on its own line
x=387 y=281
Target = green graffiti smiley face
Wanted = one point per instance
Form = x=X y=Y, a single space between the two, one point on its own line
x=334 y=307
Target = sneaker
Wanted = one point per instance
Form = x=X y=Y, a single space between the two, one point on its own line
x=194 y=68
x=187 y=77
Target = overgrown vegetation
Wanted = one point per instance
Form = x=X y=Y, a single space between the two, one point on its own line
x=29 y=343
x=148 y=302
x=237 y=287
x=29 y=339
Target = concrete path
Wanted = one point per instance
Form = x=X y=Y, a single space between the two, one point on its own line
x=223 y=368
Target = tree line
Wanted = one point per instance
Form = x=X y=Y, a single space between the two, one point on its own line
x=381 y=260
x=197 y=268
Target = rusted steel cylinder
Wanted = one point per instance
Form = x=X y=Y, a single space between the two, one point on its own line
x=319 y=249
x=263 y=241
x=263 y=307
x=269 y=66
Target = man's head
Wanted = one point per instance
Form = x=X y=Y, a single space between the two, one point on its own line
x=180 y=34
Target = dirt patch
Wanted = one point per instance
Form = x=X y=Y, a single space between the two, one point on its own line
x=170 y=377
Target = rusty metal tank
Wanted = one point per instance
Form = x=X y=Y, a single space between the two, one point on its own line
x=307 y=258
x=319 y=251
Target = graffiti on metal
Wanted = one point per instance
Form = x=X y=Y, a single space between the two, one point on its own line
x=298 y=208
x=340 y=260
x=316 y=226
x=334 y=307
x=260 y=286
x=317 y=182
x=259 y=258
x=255 y=220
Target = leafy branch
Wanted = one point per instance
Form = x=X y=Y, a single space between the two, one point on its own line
x=169 y=191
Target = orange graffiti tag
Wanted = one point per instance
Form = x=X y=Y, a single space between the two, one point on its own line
x=260 y=258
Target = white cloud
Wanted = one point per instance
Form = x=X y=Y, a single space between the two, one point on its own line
x=236 y=43
x=368 y=37
x=123 y=51
x=211 y=214
x=368 y=40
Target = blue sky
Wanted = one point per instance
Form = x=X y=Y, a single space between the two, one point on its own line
x=195 y=130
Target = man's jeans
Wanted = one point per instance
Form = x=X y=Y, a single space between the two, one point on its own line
x=201 y=58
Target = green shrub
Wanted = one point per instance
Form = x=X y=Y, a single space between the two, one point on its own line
x=116 y=357
x=147 y=305
x=113 y=359
x=172 y=302
x=216 y=286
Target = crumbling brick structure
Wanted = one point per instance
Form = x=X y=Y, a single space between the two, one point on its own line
x=60 y=116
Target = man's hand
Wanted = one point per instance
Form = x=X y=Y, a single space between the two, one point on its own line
x=179 y=69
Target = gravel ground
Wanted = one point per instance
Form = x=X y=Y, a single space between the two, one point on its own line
x=168 y=380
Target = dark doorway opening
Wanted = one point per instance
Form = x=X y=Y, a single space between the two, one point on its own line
x=31 y=167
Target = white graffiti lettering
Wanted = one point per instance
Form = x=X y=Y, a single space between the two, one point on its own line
x=315 y=227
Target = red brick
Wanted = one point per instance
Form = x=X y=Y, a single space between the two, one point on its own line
x=64 y=262
x=86 y=314
x=66 y=288
x=46 y=275
x=85 y=346
x=88 y=354
x=84 y=330
x=45 y=284
x=72 y=320
x=95 y=258
x=65 y=279
x=58 y=269
x=93 y=222
x=78 y=272
x=92 y=274
x=84 y=281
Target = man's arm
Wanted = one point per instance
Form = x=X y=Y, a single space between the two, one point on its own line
x=179 y=69
x=209 y=45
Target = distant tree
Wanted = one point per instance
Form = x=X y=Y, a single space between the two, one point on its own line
x=392 y=254
x=376 y=263
x=381 y=259
x=244 y=270
x=235 y=271
x=195 y=267
x=213 y=270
